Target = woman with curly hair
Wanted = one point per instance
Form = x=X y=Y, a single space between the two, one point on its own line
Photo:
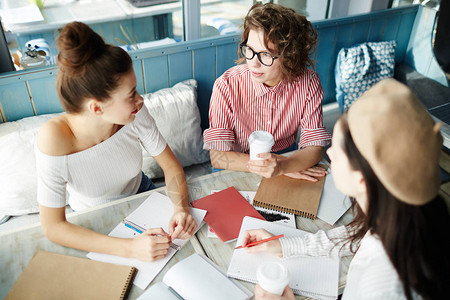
x=385 y=155
x=273 y=91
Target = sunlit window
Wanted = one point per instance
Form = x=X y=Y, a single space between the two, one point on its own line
x=31 y=26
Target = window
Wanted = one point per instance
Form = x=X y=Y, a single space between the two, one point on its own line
x=137 y=24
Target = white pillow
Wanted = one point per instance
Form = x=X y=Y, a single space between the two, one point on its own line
x=18 y=178
x=177 y=116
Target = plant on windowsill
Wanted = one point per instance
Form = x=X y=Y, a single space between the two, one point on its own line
x=132 y=43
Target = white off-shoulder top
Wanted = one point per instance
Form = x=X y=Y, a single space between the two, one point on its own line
x=105 y=172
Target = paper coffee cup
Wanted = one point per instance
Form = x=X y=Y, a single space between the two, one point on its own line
x=260 y=142
x=273 y=277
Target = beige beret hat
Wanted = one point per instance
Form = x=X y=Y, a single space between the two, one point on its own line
x=399 y=139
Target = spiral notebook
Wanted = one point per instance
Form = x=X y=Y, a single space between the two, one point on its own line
x=316 y=277
x=154 y=212
x=55 y=276
x=286 y=194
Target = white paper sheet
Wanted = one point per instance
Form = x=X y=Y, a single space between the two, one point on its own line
x=333 y=204
x=317 y=277
x=154 y=212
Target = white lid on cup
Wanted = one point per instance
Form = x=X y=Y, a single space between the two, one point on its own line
x=261 y=137
x=273 y=277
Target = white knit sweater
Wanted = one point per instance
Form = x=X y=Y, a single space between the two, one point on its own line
x=371 y=274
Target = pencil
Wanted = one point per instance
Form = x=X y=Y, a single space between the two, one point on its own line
x=260 y=241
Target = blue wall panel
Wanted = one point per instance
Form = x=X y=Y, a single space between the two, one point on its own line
x=404 y=30
x=376 y=30
x=226 y=57
x=205 y=74
x=325 y=49
x=360 y=32
x=44 y=95
x=15 y=101
x=156 y=73
x=180 y=67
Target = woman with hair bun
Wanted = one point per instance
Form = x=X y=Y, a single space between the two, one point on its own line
x=275 y=91
x=385 y=155
x=92 y=153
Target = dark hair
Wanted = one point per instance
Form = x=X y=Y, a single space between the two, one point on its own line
x=292 y=34
x=89 y=68
x=412 y=236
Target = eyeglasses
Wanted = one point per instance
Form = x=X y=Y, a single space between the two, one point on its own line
x=264 y=57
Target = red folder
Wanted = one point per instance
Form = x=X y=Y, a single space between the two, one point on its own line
x=225 y=211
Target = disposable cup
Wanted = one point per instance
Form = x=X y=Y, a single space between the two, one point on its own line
x=273 y=277
x=260 y=142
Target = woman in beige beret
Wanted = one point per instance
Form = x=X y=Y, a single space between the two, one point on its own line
x=384 y=154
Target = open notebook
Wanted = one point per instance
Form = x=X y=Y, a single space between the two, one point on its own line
x=315 y=277
x=196 y=277
x=154 y=212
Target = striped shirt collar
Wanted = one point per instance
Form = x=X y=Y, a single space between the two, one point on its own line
x=261 y=89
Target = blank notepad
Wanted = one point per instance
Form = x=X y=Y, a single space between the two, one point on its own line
x=316 y=277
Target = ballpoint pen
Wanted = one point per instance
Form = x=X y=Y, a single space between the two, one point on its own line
x=139 y=229
x=260 y=241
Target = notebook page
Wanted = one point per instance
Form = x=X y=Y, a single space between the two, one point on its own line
x=333 y=204
x=158 y=291
x=196 y=277
x=154 y=212
x=310 y=276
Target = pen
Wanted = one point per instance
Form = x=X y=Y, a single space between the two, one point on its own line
x=141 y=230
x=135 y=229
x=260 y=241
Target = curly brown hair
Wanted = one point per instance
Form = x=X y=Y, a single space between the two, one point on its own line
x=292 y=34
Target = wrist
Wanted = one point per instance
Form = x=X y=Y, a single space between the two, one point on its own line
x=128 y=247
x=281 y=166
x=181 y=208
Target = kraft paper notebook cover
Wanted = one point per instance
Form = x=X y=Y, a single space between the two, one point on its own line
x=225 y=211
x=290 y=195
x=55 y=276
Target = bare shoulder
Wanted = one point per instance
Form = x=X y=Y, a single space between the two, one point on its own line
x=55 y=137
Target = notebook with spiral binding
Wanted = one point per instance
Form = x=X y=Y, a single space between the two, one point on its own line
x=315 y=277
x=155 y=212
x=286 y=194
x=55 y=276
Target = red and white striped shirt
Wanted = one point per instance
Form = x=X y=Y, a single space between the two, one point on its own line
x=239 y=106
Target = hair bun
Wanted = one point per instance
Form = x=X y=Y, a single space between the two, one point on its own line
x=78 y=44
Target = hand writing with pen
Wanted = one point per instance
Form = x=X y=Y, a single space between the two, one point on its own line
x=260 y=240
x=154 y=243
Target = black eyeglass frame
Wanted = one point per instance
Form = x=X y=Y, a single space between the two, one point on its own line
x=258 y=54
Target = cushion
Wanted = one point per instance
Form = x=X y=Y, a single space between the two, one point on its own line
x=177 y=116
x=174 y=110
x=18 y=178
x=361 y=66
